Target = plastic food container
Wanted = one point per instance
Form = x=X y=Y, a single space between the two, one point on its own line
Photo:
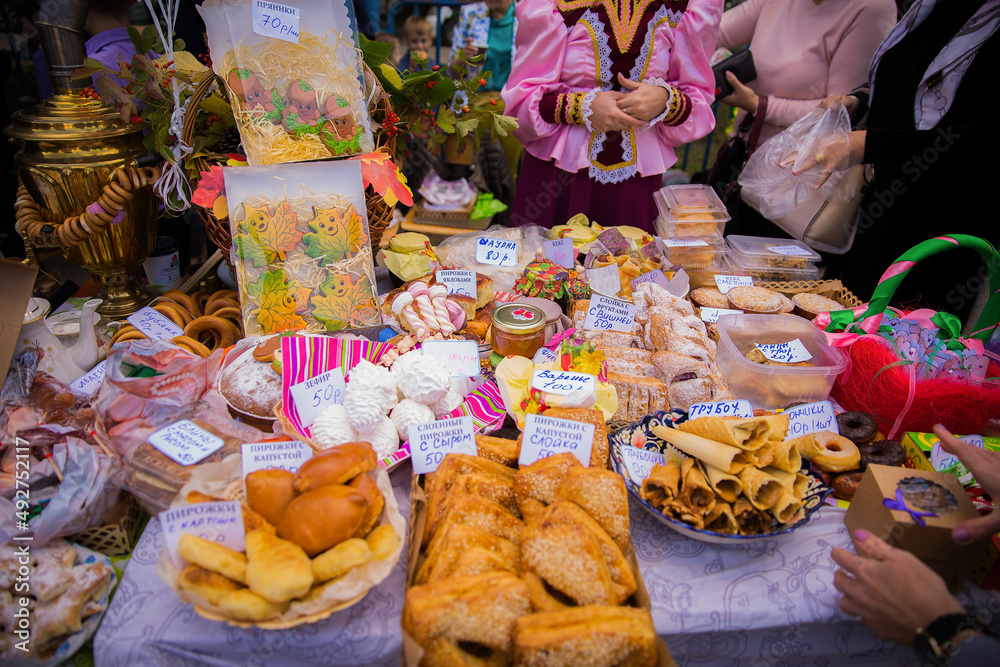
x=758 y=252
x=771 y=387
x=706 y=277
x=776 y=275
x=696 y=253
x=690 y=212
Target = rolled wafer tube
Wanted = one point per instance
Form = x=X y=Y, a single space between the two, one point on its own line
x=785 y=507
x=721 y=519
x=747 y=434
x=728 y=487
x=762 y=490
x=724 y=457
x=783 y=455
x=662 y=485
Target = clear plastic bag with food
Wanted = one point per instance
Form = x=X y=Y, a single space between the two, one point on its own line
x=769 y=174
x=460 y=251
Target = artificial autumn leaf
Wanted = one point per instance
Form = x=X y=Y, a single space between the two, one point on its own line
x=338 y=234
x=275 y=232
x=344 y=302
x=381 y=173
x=220 y=209
x=279 y=301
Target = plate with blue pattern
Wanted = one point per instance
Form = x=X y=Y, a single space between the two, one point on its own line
x=640 y=434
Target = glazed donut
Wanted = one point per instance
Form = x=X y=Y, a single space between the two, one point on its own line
x=217 y=328
x=882 y=453
x=191 y=345
x=845 y=485
x=212 y=306
x=174 y=313
x=182 y=299
x=857 y=427
x=200 y=299
x=829 y=452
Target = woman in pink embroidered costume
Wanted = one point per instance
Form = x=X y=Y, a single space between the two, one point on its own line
x=603 y=90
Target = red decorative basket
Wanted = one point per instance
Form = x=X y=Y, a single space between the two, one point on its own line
x=880 y=382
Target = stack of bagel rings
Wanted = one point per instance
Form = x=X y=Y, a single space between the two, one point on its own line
x=210 y=321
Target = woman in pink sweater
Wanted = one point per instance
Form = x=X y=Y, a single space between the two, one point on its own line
x=804 y=51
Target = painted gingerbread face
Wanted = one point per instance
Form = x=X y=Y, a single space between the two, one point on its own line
x=250 y=90
x=303 y=103
x=339 y=113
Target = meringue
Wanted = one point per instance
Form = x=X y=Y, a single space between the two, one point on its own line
x=383 y=438
x=449 y=402
x=369 y=391
x=331 y=427
x=421 y=378
x=409 y=412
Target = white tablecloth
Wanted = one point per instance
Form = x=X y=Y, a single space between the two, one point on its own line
x=773 y=603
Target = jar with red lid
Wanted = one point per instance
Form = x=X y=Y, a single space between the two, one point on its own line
x=518 y=329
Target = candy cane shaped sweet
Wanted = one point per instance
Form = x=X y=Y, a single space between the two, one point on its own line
x=437 y=295
x=403 y=305
x=419 y=292
x=456 y=313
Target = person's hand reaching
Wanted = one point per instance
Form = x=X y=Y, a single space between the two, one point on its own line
x=835 y=155
x=742 y=96
x=892 y=591
x=607 y=117
x=644 y=101
x=985 y=467
x=849 y=101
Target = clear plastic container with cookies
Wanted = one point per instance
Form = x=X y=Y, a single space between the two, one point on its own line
x=761 y=252
x=776 y=360
x=690 y=212
x=696 y=253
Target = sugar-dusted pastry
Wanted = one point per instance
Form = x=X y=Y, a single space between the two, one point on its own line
x=535 y=485
x=64 y=614
x=500 y=450
x=479 y=610
x=209 y=586
x=442 y=560
x=589 y=636
x=443 y=652
x=570 y=560
x=638 y=396
x=211 y=556
x=438 y=484
x=486 y=515
x=277 y=570
x=543 y=596
x=603 y=495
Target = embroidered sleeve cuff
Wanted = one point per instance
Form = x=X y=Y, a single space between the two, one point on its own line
x=679 y=108
x=656 y=81
x=563 y=108
x=585 y=104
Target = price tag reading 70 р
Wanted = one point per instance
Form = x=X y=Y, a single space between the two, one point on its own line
x=312 y=396
x=499 y=252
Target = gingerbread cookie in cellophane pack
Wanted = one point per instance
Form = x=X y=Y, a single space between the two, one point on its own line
x=303 y=257
x=294 y=74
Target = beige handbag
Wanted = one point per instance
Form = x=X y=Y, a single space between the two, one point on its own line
x=822 y=224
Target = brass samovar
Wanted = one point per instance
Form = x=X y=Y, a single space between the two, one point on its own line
x=82 y=188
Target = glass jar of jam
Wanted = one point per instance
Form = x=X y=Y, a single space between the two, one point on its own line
x=518 y=329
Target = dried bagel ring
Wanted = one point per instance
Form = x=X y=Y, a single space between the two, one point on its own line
x=174 y=313
x=237 y=330
x=234 y=315
x=127 y=333
x=217 y=328
x=186 y=302
x=215 y=305
x=223 y=294
x=200 y=299
x=191 y=345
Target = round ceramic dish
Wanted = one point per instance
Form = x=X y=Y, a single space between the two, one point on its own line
x=640 y=434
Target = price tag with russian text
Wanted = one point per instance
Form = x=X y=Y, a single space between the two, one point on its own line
x=679 y=243
x=499 y=252
x=218 y=522
x=656 y=276
x=544 y=356
x=713 y=314
x=607 y=314
x=458 y=282
x=154 y=325
x=560 y=251
x=460 y=357
x=740 y=408
x=271 y=19
x=185 y=442
x=785 y=353
x=811 y=418
x=545 y=436
x=431 y=441
x=287 y=455
x=790 y=250
x=605 y=280
x=727 y=283
x=313 y=395
x=90 y=382
x=639 y=462
x=563 y=383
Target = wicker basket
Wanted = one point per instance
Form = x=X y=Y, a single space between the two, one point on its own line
x=379 y=213
x=119 y=534
x=833 y=289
